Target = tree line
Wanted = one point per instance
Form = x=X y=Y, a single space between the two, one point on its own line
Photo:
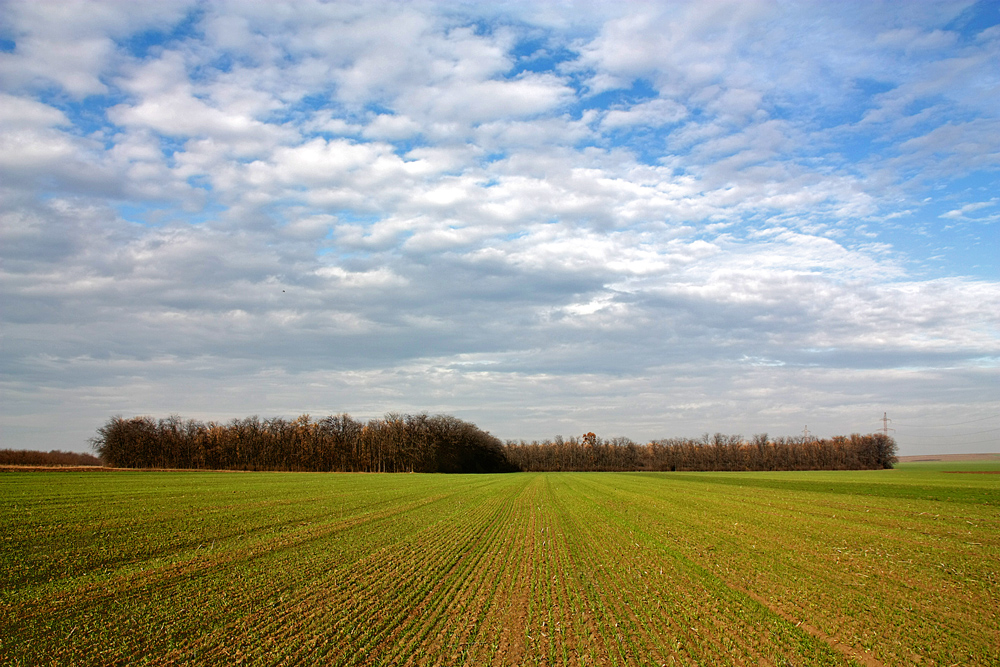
x=28 y=457
x=337 y=443
x=715 y=452
x=441 y=443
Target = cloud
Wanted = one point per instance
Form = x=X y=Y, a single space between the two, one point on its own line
x=648 y=114
x=23 y=113
x=962 y=212
x=912 y=40
x=640 y=220
x=71 y=44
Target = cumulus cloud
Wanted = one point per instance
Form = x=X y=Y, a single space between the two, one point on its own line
x=73 y=44
x=644 y=220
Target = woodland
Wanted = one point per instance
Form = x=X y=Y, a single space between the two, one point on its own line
x=446 y=444
x=28 y=457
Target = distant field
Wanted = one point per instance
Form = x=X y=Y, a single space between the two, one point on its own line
x=949 y=457
x=807 y=568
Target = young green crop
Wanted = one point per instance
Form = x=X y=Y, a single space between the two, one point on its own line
x=876 y=567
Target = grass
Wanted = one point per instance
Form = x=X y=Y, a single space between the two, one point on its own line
x=804 y=568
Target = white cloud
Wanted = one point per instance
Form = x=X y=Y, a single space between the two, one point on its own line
x=72 y=43
x=378 y=278
x=166 y=103
x=912 y=40
x=388 y=126
x=960 y=213
x=650 y=220
x=24 y=113
x=650 y=114
x=483 y=101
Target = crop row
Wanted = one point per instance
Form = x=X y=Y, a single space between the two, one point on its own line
x=573 y=569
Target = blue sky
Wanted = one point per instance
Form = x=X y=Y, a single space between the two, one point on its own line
x=642 y=219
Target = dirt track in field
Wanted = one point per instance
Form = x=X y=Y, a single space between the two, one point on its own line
x=948 y=458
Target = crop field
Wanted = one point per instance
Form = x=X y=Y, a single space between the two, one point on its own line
x=886 y=567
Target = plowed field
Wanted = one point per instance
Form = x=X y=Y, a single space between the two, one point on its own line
x=826 y=568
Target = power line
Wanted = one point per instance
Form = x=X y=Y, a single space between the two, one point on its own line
x=953 y=435
x=978 y=442
x=971 y=421
x=966 y=442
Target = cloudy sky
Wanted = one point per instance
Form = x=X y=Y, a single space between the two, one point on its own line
x=648 y=219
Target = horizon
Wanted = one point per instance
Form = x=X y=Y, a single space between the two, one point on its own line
x=646 y=220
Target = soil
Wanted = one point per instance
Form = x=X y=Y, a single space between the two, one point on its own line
x=16 y=468
x=948 y=457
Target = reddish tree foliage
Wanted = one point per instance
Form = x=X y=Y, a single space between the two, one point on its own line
x=27 y=457
x=419 y=443
x=397 y=443
x=717 y=452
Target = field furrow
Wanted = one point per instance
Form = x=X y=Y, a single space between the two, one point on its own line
x=521 y=569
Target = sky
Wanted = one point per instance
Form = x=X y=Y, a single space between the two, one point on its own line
x=644 y=219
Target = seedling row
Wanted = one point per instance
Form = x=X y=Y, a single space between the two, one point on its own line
x=811 y=568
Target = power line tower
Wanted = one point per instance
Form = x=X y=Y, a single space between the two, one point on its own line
x=885 y=424
x=805 y=432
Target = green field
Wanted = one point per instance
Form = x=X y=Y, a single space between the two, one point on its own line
x=788 y=568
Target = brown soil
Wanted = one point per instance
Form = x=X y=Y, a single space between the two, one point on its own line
x=949 y=457
x=19 y=468
x=849 y=652
x=11 y=468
